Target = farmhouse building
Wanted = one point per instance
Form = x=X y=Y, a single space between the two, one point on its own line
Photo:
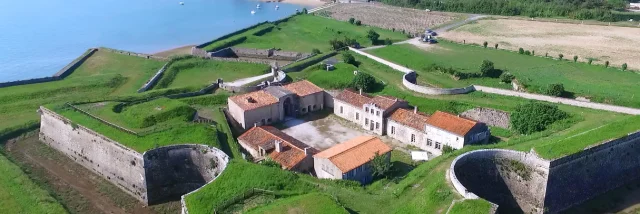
x=274 y=103
x=350 y=160
x=367 y=111
x=432 y=133
x=266 y=141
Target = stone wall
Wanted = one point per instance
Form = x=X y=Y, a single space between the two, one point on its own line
x=491 y=117
x=173 y=171
x=153 y=79
x=146 y=56
x=153 y=177
x=64 y=72
x=409 y=81
x=260 y=55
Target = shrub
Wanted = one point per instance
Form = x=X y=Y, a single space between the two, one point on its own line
x=496 y=45
x=485 y=44
x=575 y=58
x=506 y=77
x=315 y=51
x=555 y=89
x=388 y=41
x=447 y=149
x=624 y=66
x=393 y=30
x=358 y=22
x=304 y=11
x=486 y=69
x=535 y=116
x=590 y=61
x=606 y=64
x=373 y=36
x=348 y=58
x=270 y=163
x=352 y=20
x=527 y=52
x=546 y=54
x=533 y=53
x=379 y=165
x=521 y=50
x=560 y=56
x=363 y=81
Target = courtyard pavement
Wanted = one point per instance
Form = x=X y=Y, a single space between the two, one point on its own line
x=320 y=131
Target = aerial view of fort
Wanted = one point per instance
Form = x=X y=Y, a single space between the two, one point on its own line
x=346 y=106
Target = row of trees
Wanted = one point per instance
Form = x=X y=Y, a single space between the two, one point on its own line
x=576 y=9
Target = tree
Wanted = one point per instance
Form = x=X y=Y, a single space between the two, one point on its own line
x=373 y=36
x=506 y=77
x=496 y=45
x=590 y=61
x=358 y=22
x=575 y=58
x=521 y=50
x=555 y=89
x=560 y=56
x=485 y=44
x=337 y=44
x=486 y=69
x=527 y=52
x=535 y=116
x=380 y=165
x=315 y=51
x=363 y=81
x=533 y=53
x=352 y=20
x=447 y=149
x=304 y=11
x=606 y=64
x=348 y=58
x=624 y=66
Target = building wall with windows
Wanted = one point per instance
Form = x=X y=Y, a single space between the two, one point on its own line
x=326 y=169
x=311 y=103
x=348 y=111
x=263 y=115
x=373 y=119
x=411 y=136
x=441 y=137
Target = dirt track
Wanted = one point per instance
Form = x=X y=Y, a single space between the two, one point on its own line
x=77 y=188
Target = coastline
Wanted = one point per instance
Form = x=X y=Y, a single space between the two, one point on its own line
x=312 y=3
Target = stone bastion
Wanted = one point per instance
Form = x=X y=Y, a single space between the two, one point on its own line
x=156 y=176
x=523 y=182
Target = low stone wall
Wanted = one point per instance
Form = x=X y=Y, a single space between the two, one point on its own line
x=64 y=72
x=146 y=56
x=260 y=55
x=492 y=117
x=173 y=171
x=153 y=79
x=409 y=81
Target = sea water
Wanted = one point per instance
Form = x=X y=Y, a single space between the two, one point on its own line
x=39 y=37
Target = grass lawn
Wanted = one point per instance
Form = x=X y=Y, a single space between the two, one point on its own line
x=608 y=85
x=309 y=32
x=311 y=203
x=18 y=194
x=339 y=78
x=202 y=72
x=471 y=207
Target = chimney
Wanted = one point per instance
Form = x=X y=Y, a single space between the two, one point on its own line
x=415 y=109
x=361 y=91
x=255 y=124
x=306 y=153
x=278 y=149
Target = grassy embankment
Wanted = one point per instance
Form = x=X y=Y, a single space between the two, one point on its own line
x=202 y=72
x=303 y=33
x=607 y=85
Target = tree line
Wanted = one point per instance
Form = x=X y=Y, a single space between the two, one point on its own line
x=602 y=10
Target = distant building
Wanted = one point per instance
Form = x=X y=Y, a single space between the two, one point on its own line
x=367 y=111
x=268 y=142
x=274 y=103
x=350 y=160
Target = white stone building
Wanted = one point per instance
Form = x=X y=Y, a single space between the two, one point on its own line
x=367 y=111
x=350 y=160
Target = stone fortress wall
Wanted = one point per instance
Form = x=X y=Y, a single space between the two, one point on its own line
x=183 y=167
x=409 y=81
x=491 y=117
x=520 y=181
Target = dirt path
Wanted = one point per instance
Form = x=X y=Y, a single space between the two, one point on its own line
x=77 y=188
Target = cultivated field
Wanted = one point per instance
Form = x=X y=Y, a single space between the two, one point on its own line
x=390 y=17
x=617 y=45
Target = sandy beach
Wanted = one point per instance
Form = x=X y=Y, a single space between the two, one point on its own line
x=312 y=3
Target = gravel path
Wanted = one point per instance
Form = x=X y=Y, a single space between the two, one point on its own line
x=248 y=80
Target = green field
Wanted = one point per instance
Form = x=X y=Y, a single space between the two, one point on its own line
x=312 y=203
x=18 y=194
x=203 y=72
x=339 y=78
x=470 y=207
x=600 y=84
x=308 y=32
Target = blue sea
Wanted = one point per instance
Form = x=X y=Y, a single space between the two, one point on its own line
x=39 y=37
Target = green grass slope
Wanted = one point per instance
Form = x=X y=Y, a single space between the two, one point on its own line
x=202 y=72
x=312 y=203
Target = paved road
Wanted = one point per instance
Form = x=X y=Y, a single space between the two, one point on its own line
x=248 y=80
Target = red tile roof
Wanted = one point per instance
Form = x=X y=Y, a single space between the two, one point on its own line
x=303 y=88
x=451 y=123
x=354 y=98
x=354 y=152
x=292 y=150
x=385 y=102
x=407 y=117
x=254 y=100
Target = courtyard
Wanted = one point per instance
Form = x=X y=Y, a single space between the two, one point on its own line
x=320 y=130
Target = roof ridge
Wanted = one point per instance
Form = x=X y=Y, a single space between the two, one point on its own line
x=283 y=140
x=353 y=147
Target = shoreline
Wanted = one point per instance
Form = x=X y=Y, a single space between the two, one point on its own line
x=312 y=3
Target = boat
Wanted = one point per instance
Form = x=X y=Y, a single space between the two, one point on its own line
x=181 y=3
x=253 y=12
x=258 y=6
x=277 y=7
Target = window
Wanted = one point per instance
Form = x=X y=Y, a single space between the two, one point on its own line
x=366 y=121
x=371 y=111
x=264 y=121
x=393 y=129
x=429 y=142
x=340 y=109
x=309 y=107
x=357 y=116
x=413 y=138
x=314 y=107
x=304 y=109
x=366 y=109
x=377 y=125
x=269 y=120
x=438 y=145
x=377 y=113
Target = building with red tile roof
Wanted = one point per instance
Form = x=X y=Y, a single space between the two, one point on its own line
x=350 y=159
x=268 y=142
x=365 y=110
x=274 y=103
